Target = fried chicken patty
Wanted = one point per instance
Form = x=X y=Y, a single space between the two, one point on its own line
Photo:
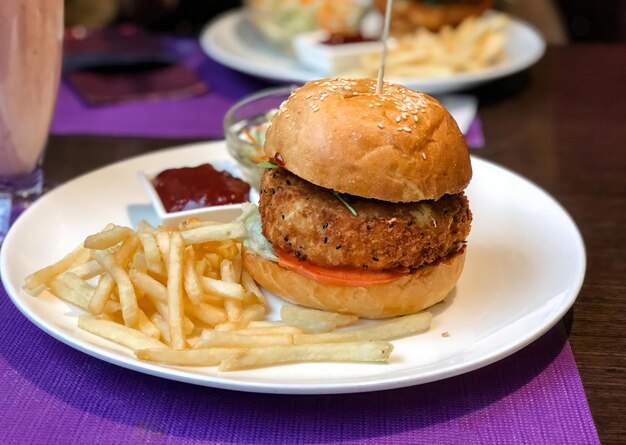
x=311 y=223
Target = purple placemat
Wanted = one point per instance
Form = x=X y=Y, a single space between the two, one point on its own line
x=52 y=394
x=475 y=137
x=197 y=117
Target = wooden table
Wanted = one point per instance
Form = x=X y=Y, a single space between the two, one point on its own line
x=562 y=125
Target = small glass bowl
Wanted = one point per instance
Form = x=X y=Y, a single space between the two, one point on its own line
x=245 y=125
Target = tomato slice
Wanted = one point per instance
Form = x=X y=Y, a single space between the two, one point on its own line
x=337 y=276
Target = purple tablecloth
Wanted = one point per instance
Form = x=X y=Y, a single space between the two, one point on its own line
x=52 y=394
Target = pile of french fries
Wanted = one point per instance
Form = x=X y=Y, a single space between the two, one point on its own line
x=182 y=296
x=477 y=43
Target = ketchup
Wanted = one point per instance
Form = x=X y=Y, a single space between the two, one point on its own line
x=278 y=159
x=195 y=187
x=340 y=39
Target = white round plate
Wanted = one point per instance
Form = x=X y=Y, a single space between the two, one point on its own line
x=525 y=265
x=232 y=40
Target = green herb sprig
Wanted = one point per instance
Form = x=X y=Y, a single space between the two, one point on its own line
x=344 y=202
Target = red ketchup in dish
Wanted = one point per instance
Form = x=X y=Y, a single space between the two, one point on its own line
x=190 y=188
x=340 y=39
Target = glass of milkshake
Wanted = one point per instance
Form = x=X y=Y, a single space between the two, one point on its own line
x=31 y=33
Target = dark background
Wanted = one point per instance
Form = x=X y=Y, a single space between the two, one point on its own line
x=594 y=20
x=582 y=20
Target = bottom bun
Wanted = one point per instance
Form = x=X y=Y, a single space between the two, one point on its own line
x=411 y=293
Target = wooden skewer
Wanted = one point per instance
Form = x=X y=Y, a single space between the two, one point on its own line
x=383 y=55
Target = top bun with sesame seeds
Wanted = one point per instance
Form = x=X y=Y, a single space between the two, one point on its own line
x=399 y=146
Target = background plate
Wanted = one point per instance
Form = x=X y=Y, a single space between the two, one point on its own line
x=232 y=40
x=525 y=265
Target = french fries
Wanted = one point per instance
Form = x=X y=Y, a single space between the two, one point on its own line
x=211 y=338
x=77 y=295
x=128 y=298
x=192 y=283
x=313 y=320
x=193 y=357
x=385 y=330
x=152 y=253
x=223 y=288
x=101 y=294
x=107 y=238
x=183 y=297
x=175 y=291
x=337 y=352
x=207 y=313
x=214 y=232
x=477 y=43
x=87 y=270
x=129 y=337
x=152 y=287
x=43 y=276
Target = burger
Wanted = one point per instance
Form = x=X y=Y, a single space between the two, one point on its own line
x=407 y=15
x=362 y=211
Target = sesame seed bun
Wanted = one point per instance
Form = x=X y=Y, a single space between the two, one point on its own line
x=399 y=146
x=411 y=293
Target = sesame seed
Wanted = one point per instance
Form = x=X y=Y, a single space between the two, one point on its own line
x=308 y=96
x=378 y=104
x=398 y=119
x=355 y=93
x=380 y=125
x=404 y=115
x=424 y=155
x=286 y=116
x=415 y=118
x=407 y=129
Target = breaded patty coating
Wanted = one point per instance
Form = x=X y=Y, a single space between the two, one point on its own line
x=311 y=223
